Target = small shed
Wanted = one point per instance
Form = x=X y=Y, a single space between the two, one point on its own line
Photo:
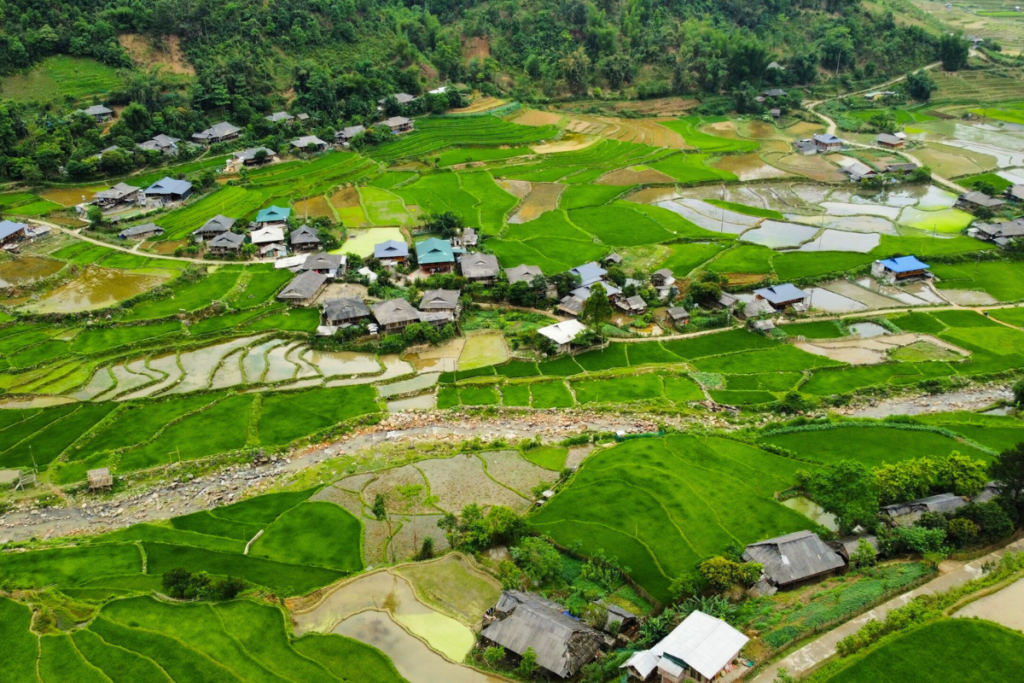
x=889 y=141
x=563 y=333
x=846 y=547
x=678 y=315
x=345 y=135
x=571 y=305
x=905 y=514
x=634 y=305
x=100 y=479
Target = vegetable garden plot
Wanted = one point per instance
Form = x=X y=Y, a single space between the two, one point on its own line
x=660 y=505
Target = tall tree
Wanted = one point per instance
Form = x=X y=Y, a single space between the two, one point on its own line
x=597 y=308
x=1008 y=470
x=953 y=51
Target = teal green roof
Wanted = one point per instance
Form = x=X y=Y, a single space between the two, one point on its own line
x=434 y=250
x=274 y=213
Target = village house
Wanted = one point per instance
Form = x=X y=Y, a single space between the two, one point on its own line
x=164 y=144
x=612 y=259
x=345 y=135
x=254 y=156
x=279 y=116
x=775 y=113
x=526 y=621
x=905 y=514
x=889 y=141
x=563 y=333
x=523 y=273
x=117 y=197
x=846 y=547
x=755 y=308
x=342 y=312
x=11 y=232
x=275 y=250
x=900 y=269
x=827 y=143
x=141 y=232
x=701 y=648
x=391 y=252
x=168 y=190
x=972 y=201
x=478 y=267
x=213 y=227
x=398 y=124
x=99 y=478
x=273 y=216
x=305 y=238
x=678 y=316
x=302 y=144
x=782 y=296
x=226 y=243
x=394 y=315
x=633 y=305
x=610 y=290
x=304 y=289
x=773 y=93
x=401 y=97
x=435 y=256
x=763 y=325
x=265 y=236
x=857 y=170
x=98 y=112
x=302 y=118
x=791 y=560
x=330 y=265
x=571 y=305
x=442 y=300
x=467 y=239
x=663 y=280
x=900 y=168
x=219 y=132
x=589 y=273
x=998 y=233
x=1015 y=193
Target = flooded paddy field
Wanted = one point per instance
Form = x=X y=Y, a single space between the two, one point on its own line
x=94 y=288
x=361 y=242
x=24 y=270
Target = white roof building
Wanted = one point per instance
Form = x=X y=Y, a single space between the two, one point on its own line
x=267 y=236
x=564 y=332
x=701 y=643
x=291 y=261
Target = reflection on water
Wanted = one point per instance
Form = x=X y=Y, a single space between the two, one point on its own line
x=415 y=661
x=837 y=240
x=824 y=300
x=774 y=234
x=24 y=270
x=332 y=363
x=868 y=330
x=417 y=383
x=422 y=402
x=95 y=288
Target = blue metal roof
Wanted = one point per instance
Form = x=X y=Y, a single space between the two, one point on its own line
x=391 y=249
x=8 y=228
x=904 y=264
x=273 y=214
x=434 y=250
x=780 y=294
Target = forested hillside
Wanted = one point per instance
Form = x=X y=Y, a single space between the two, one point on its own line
x=339 y=56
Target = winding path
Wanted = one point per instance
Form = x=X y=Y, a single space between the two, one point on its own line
x=831 y=127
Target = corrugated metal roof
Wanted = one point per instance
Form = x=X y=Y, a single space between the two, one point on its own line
x=793 y=557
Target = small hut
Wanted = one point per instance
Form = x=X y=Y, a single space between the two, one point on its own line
x=100 y=479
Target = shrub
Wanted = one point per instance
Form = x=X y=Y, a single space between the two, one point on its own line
x=528 y=664
x=493 y=656
x=962 y=532
x=863 y=556
x=990 y=518
x=427 y=549
x=538 y=559
x=722 y=573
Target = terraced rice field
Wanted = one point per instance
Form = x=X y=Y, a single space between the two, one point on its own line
x=682 y=504
x=436 y=133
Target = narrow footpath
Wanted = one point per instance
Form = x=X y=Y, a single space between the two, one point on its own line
x=818 y=652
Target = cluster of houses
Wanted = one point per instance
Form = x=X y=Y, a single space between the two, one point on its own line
x=593 y=273
x=166 y=192
x=12 y=234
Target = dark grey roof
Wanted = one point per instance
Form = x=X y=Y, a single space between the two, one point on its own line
x=349 y=132
x=848 y=546
x=217 y=130
x=403 y=98
x=572 y=304
x=396 y=121
x=908 y=166
x=523 y=273
x=942 y=502
x=886 y=139
x=1014 y=228
x=477 y=266
x=678 y=313
x=440 y=300
x=144 y=229
x=394 y=311
x=305 y=286
x=279 y=116
x=168 y=186
x=774 y=92
x=982 y=199
x=227 y=240
x=307 y=140
x=793 y=557
x=97 y=110
x=305 y=235
x=119 y=191
x=616 y=614
x=323 y=261
x=528 y=621
x=250 y=154
x=613 y=257
x=215 y=226
x=340 y=310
